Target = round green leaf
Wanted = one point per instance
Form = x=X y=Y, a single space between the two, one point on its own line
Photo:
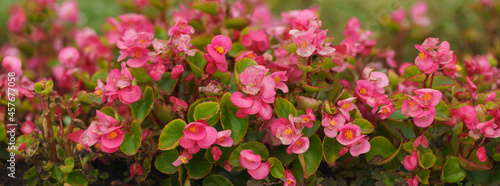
x=276 y=168
x=291 y=47
x=207 y=111
x=427 y=160
x=314 y=88
x=216 y=180
x=442 y=111
x=140 y=75
x=166 y=84
x=452 y=170
x=331 y=149
x=284 y=108
x=164 y=161
x=412 y=73
x=423 y=176
x=171 y=134
x=76 y=178
x=381 y=151
x=236 y=23
x=132 y=140
x=190 y=115
x=235 y=49
x=209 y=7
x=280 y=153
x=473 y=164
x=256 y=147
x=198 y=168
x=230 y=121
x=311 y=159
x=142 y=107
x=366 y=126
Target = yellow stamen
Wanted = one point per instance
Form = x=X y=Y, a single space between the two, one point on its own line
x=142 y=41
x=289 y=182
x=384 y=110
x=412 y=103
x=79 y=147
x=304 y=44
x=97 y=146
x=136 y=54
x=113 y=28
x=249 y=160
x=348 y=135
x=306 y=119
x=427 y=97
x=288 y=131
x=112 y=135
x=332 y=123
x=219 y=50
x=298 y=143
x=459 y=68
x=421 y=55
x=184 y=160
x=277 y=79
x=222 y=138
x=251 y=55
x=193 y=129
x=363 y=91
x=346 y=105
x=98 y=92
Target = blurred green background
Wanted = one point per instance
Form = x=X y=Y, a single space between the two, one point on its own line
x=457 y=21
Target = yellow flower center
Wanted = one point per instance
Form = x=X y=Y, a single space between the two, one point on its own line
x=363 y=91
x=112 y=135
x=251 y=55
x=97 y=146
x=348 y=135
x=113 y=28
x=332 y=123
x=248 y=159
x=346 y=105
x=427 y=97
x=384 y=110
x=142 y=41
x=306 y=119
x=79 y=147
x=277 y=79
x=193 y=129
x=98 y=92
x=298 y=143
x=219 y=50
x=288 y=131
x=412 y=103
x=184 y=160
x=136 y=54
x=421 y=55
x=289 y=182
x=304 y=44
x=458 y=68
x=222 y=138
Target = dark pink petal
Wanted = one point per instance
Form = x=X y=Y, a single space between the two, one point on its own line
x=261 y=172
x=195 y=131
x=238 y=100
x=108 y=150
x=481 y=154
x=75 y=136
x=209 y=139
x=216 y=152
x=113 y=138
x=129 y=95
x=249 y=160
x=266 y=111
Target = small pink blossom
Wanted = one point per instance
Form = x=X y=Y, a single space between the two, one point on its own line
x=481 y=154
x=217 y=50
x=290 y=179
x=429 y=97
x=378 y=79
x=425 y=119
x=411 y=161
x=260 y=172
x=27 y=127
x=216 y=152
x=304 y=43
x=69 y=56
x=359 y=147
x=471 y=88
x=299 y=146
x=349 y=134
x=411 y=108
x=224 y=138
x=136 y=169
x=183 y=158
x=249 y=160
x=386 y=110
x=489 y=129
x=412 y=181
x=421 y=140
x=364 y=89
x=68 y=11
x=112 y=138
x=179 y=104
x=16 y=21
x=418 y=13
x=181 y=27
x=13 y=64
x=257 y=40
x=178 y=69
x=332 y=125
x=399 y=15
x=283 y=130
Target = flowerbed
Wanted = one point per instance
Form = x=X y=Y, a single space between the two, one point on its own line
x=224 y=93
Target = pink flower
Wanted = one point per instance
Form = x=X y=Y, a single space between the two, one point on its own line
x=12 y=64
x=284 y=131
x=216 y=152
x=489 y=129
x=349 y=134
x=364 y=89
x=16 y=21
x=27 y=127
x=224 y=138
x=118 y=85
x=135 y=45
x=217 y=50
x=181 y=27
x=399 y=15
x=249 y=160
x=157 y=72
x=323 y=48
x=386 y=110
x=178 y=69
x=468 y=115
x=418 y=13
x=345 y=106
x=481 y=154
x=411 y=108
x=256 y=40
x=112 y=138
x=195 y=131
x=305 y=120
x=299 y=146
x=429 y=97
x=304 y=42
x=260 y=172
x=421 y=140
x=69 y=56
x=378 y=79
x=198 y=135
x=425 y=119
x=136 y=168
x=425 y=63
x=343 y=151
x=290 y=179
x=471 y=88
x=332 y=125
x=179 y=104
x=68 y=11
x=411 y=161
x=183 y=158
x=359 y=147
x=412 y=181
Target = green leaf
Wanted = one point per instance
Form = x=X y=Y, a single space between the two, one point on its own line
x=198 y=168
x=235 y=49
x=76 y=178
x=142 y=107
x=298 y=172
x=473 y=164
x=197 y=63
x=306 y=102
x=202 y=41
x=427 y=160
x=164 y=161
x=284 y=108
x=140 y=75
x=412 y=73
x=331 y=149
x=314 y=88
x=236 y=23
x=423 y=176
x=207 y=111
x=171 y=134
x=311 y=159
x=382 y=151
x=366 y=126
x=398 y=115
x=209 y=7
x=396 y=126
x=57 y=173
x=3 y=132
x=276 y=168
x=291 y=47
x=69 y=164
x=441 y=82
x=280 y=153
x=132 y=140
x=308 y=132
x=327 y=64
x=256 y=147
x=216 y=180
x=166 y=84
x=452 y=171
x=44 y=87
x=442 y=111
x=190 y=115
x=230 y=121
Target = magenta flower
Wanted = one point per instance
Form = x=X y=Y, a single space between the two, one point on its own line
x=13 y=64
x=429 y=97
x=364 y=89
x=118 y=85
x=299 y=146
x=305 y=120
x=260 y=172
x=359 y=147
x=471 y=88
x=198 y=135
x=411 y=161
x=290 y=179
x=481 y=154
x=349 y=134
x=421 y=140
x=183 y=158
x=255 y=40
x=425 y=63
x=304 y=42
x=216 y=152
x=418 y=13
x=284 y=131
x=412 y=181
x=157 y=72
x=332 y=125
x=217 y=50
x=489 y=129
x=224 y=138
x=68 y=11
x=112 y=138
x=178 y=69
x=27 y=127
x=195 y=131
x=181 y=27
x=468 y=115
x=69 y=56
x=249 y=160
x=411 y=108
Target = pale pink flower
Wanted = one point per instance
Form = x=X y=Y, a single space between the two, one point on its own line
x=284 y=131
x=418 y=13
x=364 y=89
x=224 y=138
x=304 y=42
x=13 y=64
x=69 y=56
x=349 y=134
x=181 y=27
x=359 y=147
x=299 y=146
x=27 y=127
x=411 y=107
x=332 y=125
x=68 y=11
x=249 y=160
x=489 y=129
x=183 y=158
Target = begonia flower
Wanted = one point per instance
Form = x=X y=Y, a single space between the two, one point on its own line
x=410 y=162
x=217 y=50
